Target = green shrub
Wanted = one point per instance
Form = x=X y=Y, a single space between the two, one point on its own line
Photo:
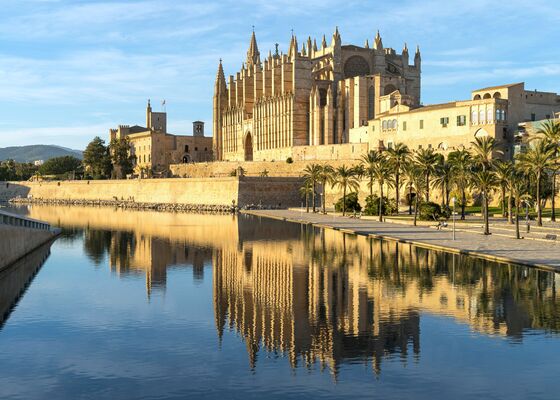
x=372 y=206
x=289 y=160
x=430 y=211
x=352 y=203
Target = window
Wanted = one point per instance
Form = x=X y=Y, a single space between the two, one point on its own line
x=461 y=120
x=474 y=116
x=206 y=149
x=481 y=117
x=444 y=121
x=489 y=114
x=533 y=117
x=186 y=148
x=384 y=125
x=196 y=149
x=404 y=126
x=498 y=115
x=421 y=124
x=394 y=124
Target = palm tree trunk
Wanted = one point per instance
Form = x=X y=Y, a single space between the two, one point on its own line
x=324 y=199
x=553 y=201
x=415 y=208
x=410 y=200
x=307 y=202
x=503 y=201
x=463 y=203
x=447 y=194
x=344 y=201
x=380 y=202
x=397 y=190
x=539 y=209
x=313 y=198
x=427 y=187
x=517 y=234
x=510 y=206
x=486 y=224
x=443 y=195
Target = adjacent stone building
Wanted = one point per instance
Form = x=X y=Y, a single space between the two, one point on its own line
x=154 y=149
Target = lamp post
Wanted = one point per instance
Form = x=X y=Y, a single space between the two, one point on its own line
x=454 y=200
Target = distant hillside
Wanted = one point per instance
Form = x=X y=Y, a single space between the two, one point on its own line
x=36 y=152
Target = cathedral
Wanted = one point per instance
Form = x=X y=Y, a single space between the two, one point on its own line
x=313 y=96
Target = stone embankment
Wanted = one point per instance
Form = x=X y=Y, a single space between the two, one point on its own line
x=133 y=205
x=21 y=236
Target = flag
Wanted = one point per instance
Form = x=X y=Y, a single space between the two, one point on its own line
x=163 y=103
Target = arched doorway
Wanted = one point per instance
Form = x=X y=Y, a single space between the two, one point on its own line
x=248 y=147
x=186 y=159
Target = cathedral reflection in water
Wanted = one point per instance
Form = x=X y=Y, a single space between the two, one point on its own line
x=318 y=297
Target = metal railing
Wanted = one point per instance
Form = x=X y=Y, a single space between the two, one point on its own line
x=7 y=218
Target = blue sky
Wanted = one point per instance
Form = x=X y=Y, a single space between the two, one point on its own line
x=70 y=70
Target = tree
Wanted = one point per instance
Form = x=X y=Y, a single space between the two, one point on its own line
x=311 y=174
x=503 y=171
x=60 y=165
x=305 y=191
x=443 y=179
x=536 y=161
x=398 y=157
x=409 y=173
x=377 y=168
x=550 y=131
x=517 y=183
x=97 y=159
x=416 y=180
x=427 y=161
x=483 y=150
x=461 y=162
x=485 y=180
x=325 y=175
x=120 y=157
x=345 y=178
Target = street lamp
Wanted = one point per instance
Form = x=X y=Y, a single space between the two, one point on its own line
x=454 y=200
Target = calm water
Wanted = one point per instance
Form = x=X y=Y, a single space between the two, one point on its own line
x=154 y=305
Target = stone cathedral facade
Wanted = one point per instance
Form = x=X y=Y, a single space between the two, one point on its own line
x=281 y=105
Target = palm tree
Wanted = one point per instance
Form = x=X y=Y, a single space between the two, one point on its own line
x=345 y=178
x=427 y=161
x=503 y=171
x=550 y=131
x=485 y=180
x=325 y=175
x=461 y=162
x=415 y=178
x=443 y=178
x=409 y=173
x=536 y=161
x=398 y=157
x=305 y=191
x=311 y=173
x=483 y=149
x=377 y=168
x=368 y=166
x=518 y=190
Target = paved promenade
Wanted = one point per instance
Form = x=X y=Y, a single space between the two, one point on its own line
x=537 y=253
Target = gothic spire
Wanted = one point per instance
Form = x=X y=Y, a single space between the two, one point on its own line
x=378 y=45
x=220 y=78
x=324 y=43
x=253 y=55
x=293 y=46
x=314 y=45
x=366 y=45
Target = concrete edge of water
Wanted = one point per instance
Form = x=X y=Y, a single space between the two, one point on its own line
x=448 y=249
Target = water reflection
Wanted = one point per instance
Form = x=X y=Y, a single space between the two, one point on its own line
x=317 y=297
x=15 y=280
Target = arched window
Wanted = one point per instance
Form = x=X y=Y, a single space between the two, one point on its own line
x=389 y=89
x=477 y=97
x=394 y=125
x=498 y=114
x=497 y=95
x=481 y=117
x=384 y=125
x=474 y=117
x=489 y=114
x=487 y=96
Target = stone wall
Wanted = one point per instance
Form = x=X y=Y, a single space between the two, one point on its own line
x=202 y=191
x=18 y=241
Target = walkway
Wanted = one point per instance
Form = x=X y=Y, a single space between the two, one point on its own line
x=499 y=248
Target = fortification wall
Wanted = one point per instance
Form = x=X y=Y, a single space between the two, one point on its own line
x=198 y=191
